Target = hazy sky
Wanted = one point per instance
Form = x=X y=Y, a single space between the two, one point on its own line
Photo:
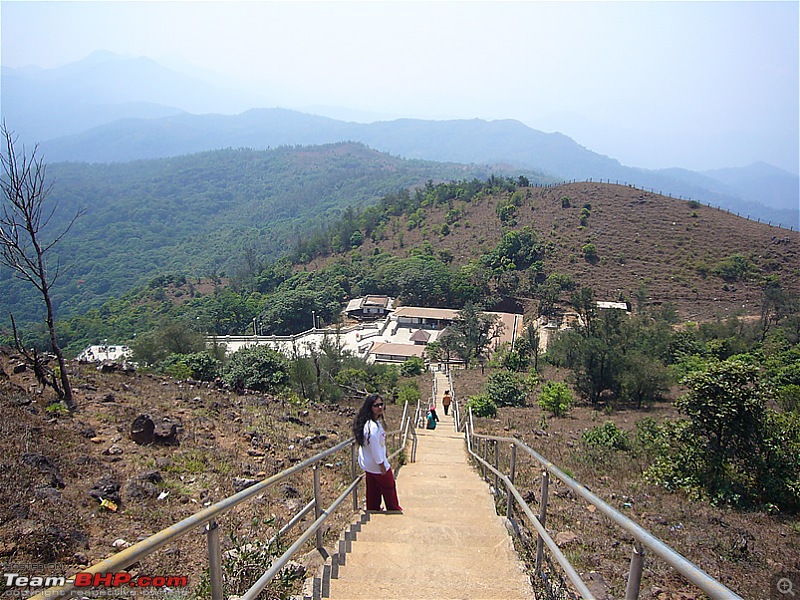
x=654 y=84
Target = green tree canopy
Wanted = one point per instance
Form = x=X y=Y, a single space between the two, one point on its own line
x=257 y=368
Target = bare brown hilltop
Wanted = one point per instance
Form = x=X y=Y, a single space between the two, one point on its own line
x=666 y=246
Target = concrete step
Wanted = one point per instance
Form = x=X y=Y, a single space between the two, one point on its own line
x=448 y=586
x=378 y=555
x=449 y=543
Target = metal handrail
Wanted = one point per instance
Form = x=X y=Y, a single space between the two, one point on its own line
x=278 y=565
x=644 y=538
x=209 y=515
x=544 y=535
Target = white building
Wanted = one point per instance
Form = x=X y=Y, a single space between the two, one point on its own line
x=99 y=353
x=402 y=334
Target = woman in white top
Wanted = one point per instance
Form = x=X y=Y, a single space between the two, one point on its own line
x=371 y=439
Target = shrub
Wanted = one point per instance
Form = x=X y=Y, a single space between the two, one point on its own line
x=356 y=239
x=732 y=448
x=505 y=389
x=589 y=252
x=514 y=361
x=556 y=398
x=482 y=406
x=735 y=268
x=607 y=436
x=352 y=378
x=246 y=560
x=257 y=368
x=408 y=391
x=506 y=212
x=412 y=366
x=197 y=365
x=178 y=370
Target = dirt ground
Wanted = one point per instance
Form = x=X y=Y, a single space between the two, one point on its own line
x=743 y=550
x=57 y=468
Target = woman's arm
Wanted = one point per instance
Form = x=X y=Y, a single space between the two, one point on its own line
x=376 y=448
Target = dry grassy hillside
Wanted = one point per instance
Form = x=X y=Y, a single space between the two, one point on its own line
x=642 y=239
x=55 y=468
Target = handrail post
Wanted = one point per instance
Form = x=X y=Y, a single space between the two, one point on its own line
x=542 y=518
x=214 y=560
x=635 y=574
x=412 y=424
x=496 y=463
x=318 y=507
x=484 y=456
x=354 y=473
x=403 y=428
x=511 y=472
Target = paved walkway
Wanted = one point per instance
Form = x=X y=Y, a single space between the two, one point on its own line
x=448 y=544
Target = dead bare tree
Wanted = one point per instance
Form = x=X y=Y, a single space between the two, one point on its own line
x=24 y=215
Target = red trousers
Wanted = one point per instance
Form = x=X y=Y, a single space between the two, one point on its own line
x=381 y=485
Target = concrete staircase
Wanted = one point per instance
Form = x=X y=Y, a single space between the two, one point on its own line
x=449 y=542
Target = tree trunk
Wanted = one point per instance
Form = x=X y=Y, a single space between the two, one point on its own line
x=62 y=365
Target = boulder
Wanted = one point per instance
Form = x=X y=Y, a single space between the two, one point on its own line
x=143 y=430
x=242 y=483
x=166 y=432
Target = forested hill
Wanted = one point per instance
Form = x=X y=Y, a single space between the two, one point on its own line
x=205 y=214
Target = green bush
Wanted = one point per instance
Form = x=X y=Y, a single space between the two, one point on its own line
x=589 y=252
x=197 y=365
x=257 y=368
x=408 y=391
x=735 y=268
x=607 y=436
x=482 y=406
x=178 y=370
x=356 y=239
x=556 y=398
x=514 y=361
x=506 y=212
x=505 y=389
x=412 y=366
x=731 y=449
x=246 y=560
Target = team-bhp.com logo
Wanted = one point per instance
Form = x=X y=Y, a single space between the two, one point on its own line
x=87 y=580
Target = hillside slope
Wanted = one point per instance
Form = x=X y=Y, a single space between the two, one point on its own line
x=55 y=469
x=662 y=248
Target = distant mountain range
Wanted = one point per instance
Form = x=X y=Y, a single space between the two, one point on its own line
x=112 y=109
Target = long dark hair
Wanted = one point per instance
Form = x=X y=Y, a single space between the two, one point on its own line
x=364 y=415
